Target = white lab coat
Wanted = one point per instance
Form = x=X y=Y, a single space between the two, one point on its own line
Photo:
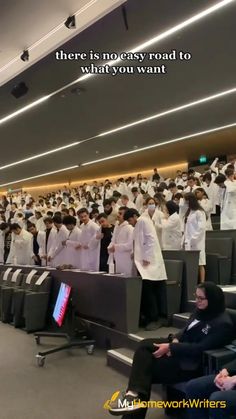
x=90 y=257
x=207 y=206
x=21 y=250
x=72 y=256
x=147 y=247
x=212 y=191
x=43 y=250
x=2 y=242
x=157 y=221
x=138 y=201
x=171 y=232
x=228 y=210
x=195 y=234
x=122 y=240
x=56 y=252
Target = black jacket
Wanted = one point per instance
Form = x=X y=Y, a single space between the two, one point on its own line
x=203 y=336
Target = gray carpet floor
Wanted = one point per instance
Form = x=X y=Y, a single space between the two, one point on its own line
x=71 y=385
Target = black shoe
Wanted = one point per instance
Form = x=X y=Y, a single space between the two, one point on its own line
x=124 y=404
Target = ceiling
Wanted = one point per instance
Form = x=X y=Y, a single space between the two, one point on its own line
x=107 y=102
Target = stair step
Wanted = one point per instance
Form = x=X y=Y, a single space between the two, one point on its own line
x=180 y=320
x=120 y=359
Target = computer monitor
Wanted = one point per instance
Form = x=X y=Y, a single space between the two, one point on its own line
x=61 y=303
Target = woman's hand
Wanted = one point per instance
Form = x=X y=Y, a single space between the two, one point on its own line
x=163 y=349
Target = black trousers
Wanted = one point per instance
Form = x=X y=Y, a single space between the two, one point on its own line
x=149 y=301
x=147 y=370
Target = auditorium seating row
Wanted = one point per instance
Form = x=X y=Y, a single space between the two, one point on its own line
x=24 y=298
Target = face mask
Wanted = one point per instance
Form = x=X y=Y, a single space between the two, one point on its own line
x=151 y=206
x=184 y=178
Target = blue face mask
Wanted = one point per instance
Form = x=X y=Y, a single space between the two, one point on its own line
x=152 y=206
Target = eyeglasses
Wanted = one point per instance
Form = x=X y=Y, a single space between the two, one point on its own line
x=198 y=298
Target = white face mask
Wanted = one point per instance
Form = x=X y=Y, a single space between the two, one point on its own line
x=184 y=178
x=152 y=206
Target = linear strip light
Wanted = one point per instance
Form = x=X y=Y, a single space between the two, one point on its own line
x=146 y=44
x=24 y=109
x=186 y=137
x=179 y=108
x=43 y=174
x=166 y=34
x=36 y=156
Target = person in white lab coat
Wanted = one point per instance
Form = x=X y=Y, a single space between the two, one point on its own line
x=171 y=228
x=90 y=246
x=206 y=204
x=56 y=252
x=137 y=199
x=72 y=244
x=195 y=231
x=156 y=213
x=227 y=185
x=21 y=251
x=45 y=241
x=149 y=263
x=121 y=246
x=212 y=191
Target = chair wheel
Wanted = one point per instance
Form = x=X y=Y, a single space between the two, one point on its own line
x=90 y=349
x=40 y=360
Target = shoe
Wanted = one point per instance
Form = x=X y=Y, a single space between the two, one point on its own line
x=124 y=404
x=153 y=326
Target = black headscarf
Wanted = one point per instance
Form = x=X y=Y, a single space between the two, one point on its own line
x=216 y=302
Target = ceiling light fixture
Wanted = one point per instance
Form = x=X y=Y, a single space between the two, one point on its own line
x=19 y=90
x=41 y=175
x=146 y=44
x=70 y=22
x=25 y=55
x=37 y=156
x=48 y=35
x=175 y=140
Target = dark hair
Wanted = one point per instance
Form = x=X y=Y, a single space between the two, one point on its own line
x=129 y=213
x=3 y=226
x=207 y=176
x=220 y=179
x=72 y=209
x=193 y=204
x=123 y=208
x=106 y=202
x=134 y=189
x=172 y=207
x=229 y=171
x=82 y=210
x=15 y=226
x=172 y=185
x=65 y=211
x=48 y=220
x=201 y=190
x=69 y=219
x=178 y=195
x=102 y=215
x=50 y=214
x=57 y=219
x=30 y=225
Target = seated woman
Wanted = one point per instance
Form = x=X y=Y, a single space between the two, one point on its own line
x=218 y=389
x=177 y=358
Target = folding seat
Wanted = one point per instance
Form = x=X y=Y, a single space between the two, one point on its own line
x=219 y=260
x=30 y=300
x=13 y=282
